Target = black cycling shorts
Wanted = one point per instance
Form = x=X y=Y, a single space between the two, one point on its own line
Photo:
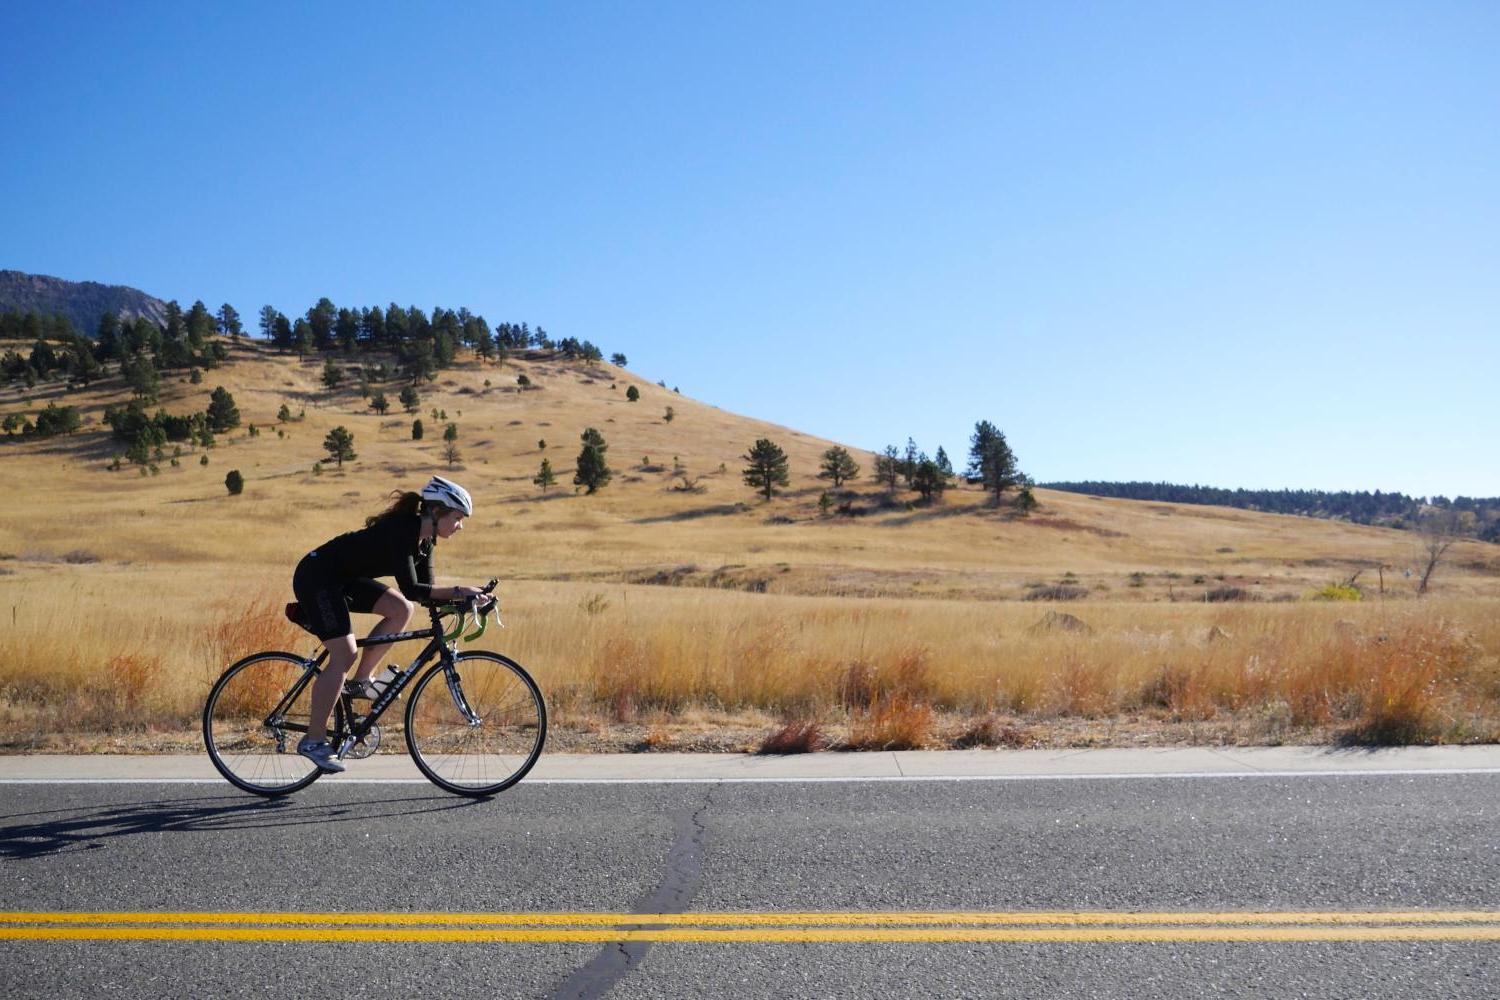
x=326 y=601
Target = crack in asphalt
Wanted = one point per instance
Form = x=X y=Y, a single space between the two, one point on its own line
x=683 y=870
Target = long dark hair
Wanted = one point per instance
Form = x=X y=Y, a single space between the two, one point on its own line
x=403 y=504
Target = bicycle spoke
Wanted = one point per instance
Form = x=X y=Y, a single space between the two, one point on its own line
x=496 y=748
x=255 y=756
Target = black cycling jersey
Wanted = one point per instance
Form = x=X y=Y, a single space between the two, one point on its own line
x=390 y=547
x=335 y=578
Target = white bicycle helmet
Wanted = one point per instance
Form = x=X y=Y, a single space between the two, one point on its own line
x=449 y=494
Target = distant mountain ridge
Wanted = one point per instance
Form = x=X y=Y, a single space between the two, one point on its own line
x=1393 y=510
x=83 y=302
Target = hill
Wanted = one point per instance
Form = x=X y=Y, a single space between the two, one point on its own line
x=676 y=603
x=1475 y=516
x=83 y=302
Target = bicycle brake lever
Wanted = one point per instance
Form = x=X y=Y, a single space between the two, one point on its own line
x=482 y=618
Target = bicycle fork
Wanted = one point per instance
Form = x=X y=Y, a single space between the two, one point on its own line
x=450 y=674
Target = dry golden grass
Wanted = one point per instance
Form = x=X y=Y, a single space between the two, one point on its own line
x=127 y=594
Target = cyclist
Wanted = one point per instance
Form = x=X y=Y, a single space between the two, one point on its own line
x=337 y=577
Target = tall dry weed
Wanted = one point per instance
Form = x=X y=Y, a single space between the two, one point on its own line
x=1081 y=688
x=253 y=627
x=898 y=722
x=1404 y=699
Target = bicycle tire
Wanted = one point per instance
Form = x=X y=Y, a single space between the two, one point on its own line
x=486 y=756
x=255 y=757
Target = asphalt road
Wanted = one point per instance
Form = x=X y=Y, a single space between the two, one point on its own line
x=1202 y=851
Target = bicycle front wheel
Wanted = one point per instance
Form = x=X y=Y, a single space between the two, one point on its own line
x=251 y=726
x=478 y=728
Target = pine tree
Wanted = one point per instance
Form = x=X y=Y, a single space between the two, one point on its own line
x=332 y=375
x=991 y=459
x=593 y=471
x=838 y=465
x=411 y=400
x=416 y=429
x=340 y=445
x=200 y=325
x=544 y=477
x=268 y=316
x=929 y=480
x=107 y=342
x=1025 y=501
x=909 y=462
x=320 y=319
x=379 y=404
x=229 y=321
x=222 y=413
x=302 y=337
x=767 y=468
x=86 y=368
x=282 y=335
x=888 y=467
x=632 y=394
x=233 y=482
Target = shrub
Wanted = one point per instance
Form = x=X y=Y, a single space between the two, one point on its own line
x=234 y=482
x=1219 y=595
x=991 y=732
x=1058 y=592
x=1339 y=592
x=57 y=420
x=797 y=736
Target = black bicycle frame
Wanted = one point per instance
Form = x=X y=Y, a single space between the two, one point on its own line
x=357 y=727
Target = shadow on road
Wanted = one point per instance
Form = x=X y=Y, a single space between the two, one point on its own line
x=61 y=831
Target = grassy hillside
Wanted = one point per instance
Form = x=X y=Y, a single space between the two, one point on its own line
x=675 y=603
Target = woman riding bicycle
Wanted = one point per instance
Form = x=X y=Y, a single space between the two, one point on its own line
x=337 y=577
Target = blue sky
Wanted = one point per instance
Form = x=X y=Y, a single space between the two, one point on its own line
x=1234 y=244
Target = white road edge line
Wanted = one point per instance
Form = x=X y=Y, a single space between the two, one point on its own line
x=864 y=779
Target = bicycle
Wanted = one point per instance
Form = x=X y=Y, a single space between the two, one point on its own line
x=476 y=734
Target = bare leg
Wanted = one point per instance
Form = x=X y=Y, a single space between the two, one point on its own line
x=396 y=612
x=326 y=688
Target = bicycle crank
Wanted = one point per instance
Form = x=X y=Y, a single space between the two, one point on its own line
x=363 y=748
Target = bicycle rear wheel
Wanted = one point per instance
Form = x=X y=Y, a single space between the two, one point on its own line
x=478 y=730
x=251 y=729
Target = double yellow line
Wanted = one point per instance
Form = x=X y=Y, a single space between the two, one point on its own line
x=842 y=928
